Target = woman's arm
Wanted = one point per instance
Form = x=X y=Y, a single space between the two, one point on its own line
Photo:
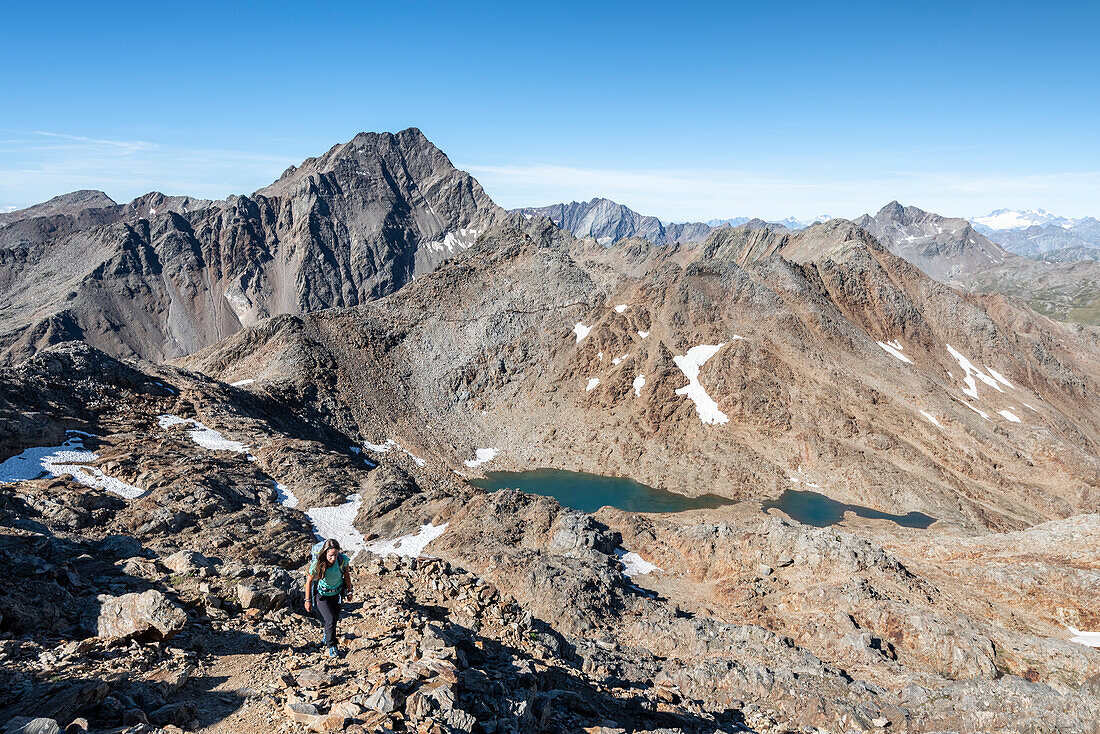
x=309 y=592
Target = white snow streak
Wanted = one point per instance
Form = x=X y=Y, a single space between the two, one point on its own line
x=1091 y=639
x=1008 y=415
x=894 y=349
x=286 y=497
x=620 y=308
x=931 y=418
x=980 y=412
x=240 y=383
x=592 y=382
x=617 y=360
x=68 y=458
x=411 y=545
x=638 y=384
x=581 y=330
x=690 y=364
x=384 y=447
x=206 y=437
x=999 y=377
x=482 y=455
x=971 y=388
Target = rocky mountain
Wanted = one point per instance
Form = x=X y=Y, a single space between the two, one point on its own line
x=161 y=277
x=166 y=529
x=945 y=248
x=156 y=518
x=609 y=222
x=953 y=251
x=1035 y=233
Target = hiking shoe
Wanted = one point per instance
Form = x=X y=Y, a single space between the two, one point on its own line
x=333 y=652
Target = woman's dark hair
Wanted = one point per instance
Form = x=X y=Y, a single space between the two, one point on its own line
x=321 y=566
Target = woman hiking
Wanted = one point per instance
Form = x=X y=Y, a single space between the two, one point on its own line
x=330 y=578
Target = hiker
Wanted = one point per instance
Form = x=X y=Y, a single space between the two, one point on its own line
x=329 y=579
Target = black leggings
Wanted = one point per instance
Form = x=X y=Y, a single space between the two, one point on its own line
x=329 y=607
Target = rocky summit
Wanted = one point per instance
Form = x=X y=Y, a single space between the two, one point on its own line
x=193 y=392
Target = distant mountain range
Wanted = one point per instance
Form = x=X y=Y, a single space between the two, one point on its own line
x=1039 y=234
x=608 y=222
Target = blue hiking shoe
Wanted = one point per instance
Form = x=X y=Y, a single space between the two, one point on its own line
x=333 y=652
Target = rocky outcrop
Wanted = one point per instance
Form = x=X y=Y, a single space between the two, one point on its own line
x=148 y=615
x=164 y=276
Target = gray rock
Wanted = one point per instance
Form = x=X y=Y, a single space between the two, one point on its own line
x=149 y=615
x=26 y=725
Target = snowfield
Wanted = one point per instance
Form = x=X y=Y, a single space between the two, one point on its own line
x=206 y=437
x=638 y=384
x=581 y=330
x=690 y=364
x=68 y=458
x=410 y=546
x=336 y=522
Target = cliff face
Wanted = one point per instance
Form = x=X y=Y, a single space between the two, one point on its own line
x=161 y=277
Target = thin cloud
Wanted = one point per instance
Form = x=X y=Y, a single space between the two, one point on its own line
x=682 y=195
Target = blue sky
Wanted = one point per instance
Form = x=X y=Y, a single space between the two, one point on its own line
x=685 y=111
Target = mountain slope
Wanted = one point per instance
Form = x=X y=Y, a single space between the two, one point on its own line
x=163 y=276
x=953 y=251
x=532 y=344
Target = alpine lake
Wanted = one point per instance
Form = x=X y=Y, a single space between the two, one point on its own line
x=589 y=492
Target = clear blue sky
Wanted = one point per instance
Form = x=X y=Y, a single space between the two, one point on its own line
x=765 y=108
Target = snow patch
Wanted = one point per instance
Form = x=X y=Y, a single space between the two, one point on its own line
x=410 y=546
x=620 y=308
x=999 y=377
x=384 y=447
x=980 y=412
x=1091 y=639
x=286 y=497
x=931 y=418
x=69 y=458
x=202 y=435
x=971 y=388
x=690 y=364
x=638 y=384
x=592 y=382
x=643 y=334
x=581 y=330
x=481 y=456
x=894 y=349
x=633 y=564
x=240 y=383
x=617 y=360
x=1008 y=415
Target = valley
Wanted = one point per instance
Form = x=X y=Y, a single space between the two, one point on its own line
x=750 y=479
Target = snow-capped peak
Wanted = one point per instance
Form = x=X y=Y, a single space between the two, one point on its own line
x=1003 y=219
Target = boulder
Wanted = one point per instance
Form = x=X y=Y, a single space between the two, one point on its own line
x=263 y=598
x=27 y=725
x=146 y=616
x=382 y=700
x=188 y=562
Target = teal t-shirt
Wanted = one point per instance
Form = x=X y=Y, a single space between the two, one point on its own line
x=330 y=583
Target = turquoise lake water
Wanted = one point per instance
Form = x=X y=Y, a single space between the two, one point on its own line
x=589 y=492
x=812 y=508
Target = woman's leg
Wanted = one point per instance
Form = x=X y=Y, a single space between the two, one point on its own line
x=329 y=607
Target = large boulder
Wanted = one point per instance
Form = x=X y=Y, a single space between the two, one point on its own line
x=146 y=616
